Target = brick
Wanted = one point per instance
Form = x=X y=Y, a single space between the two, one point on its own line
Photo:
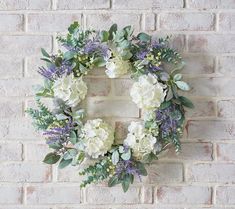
x=192 y=151
x=184 y=195
x=211 y=4
x=73 y=174
x=150 y=22
x=11 y=194
x=11 y=109
x=225 y=152
x=227 y=21
x=206 y=43
x=11 y=22
x=122 y=87
x=121 y=130
x=113 y=195
x=104 y=21
x=226 y=108
x=225 y=195
x=25 y=172
x=198 y=64
x=25 y=207
x=187 y=21
x=98 y=86
x=111 y=108
x=53 y=194
x=148 y=4
x=24 y=45
x=203 y=108
x=13 y=65
x=79 y=4
x=36 y=152
x=25 y=4
x=10 y=151
x=10 y=129
x=211 y=87
x=165 y=173
x=51 y=22
x=213 y=173
x=17 y=87
x=226 y=64
x=211 y=129
x=33 y=63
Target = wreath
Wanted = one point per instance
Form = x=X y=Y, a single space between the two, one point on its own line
x=155 y=68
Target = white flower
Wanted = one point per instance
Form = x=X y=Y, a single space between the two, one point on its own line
x=98 y=138
x=116 y=67
x=70 y=89
x=139 y=140
x=147 y=92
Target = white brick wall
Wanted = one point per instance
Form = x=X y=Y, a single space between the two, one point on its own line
x=202 y=176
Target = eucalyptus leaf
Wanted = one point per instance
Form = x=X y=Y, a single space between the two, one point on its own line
x=177 y=77
x=69 y=55
x=144 y=37
x=112 y=31
x=126 y=182
x=182 y=85
x=126 y=155
x=73 y=137
x=64 y=163
x=115 y=157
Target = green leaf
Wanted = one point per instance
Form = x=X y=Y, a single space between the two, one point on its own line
x=64 y=163
x=104 y=35
x=51 y=158
x=73 y=27
x=115 y=157
x=182 y=85
x=186 y=102
x=165 y=104
x=144 y=37
x=55 y=146
x=58 y=61
x=113 y=181
x=112 y=30
x=126 y=182
x=142 y=169
x=44 y=53
x=99 y=62
x=46 y=60
x=177 y=77
x=73 y=137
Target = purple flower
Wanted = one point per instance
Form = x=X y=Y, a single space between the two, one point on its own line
x=142 y=54
x=58 y=134
x=53 y=72
x=127 y=166
x=95 y=46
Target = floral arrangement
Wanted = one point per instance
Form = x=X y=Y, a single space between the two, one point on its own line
x=155 y=69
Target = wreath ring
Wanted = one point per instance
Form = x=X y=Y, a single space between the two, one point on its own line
x=155 y=91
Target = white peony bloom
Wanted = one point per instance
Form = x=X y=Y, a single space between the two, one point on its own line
x=116 y=67
x=139 y=140
x=70 y=89
x=98 y=137
x=147 y=92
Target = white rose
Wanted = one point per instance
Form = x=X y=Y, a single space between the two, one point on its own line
x=98 y=138
x=116 y=67
x=139 y=140
x=70 y=89
x=147 y=92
